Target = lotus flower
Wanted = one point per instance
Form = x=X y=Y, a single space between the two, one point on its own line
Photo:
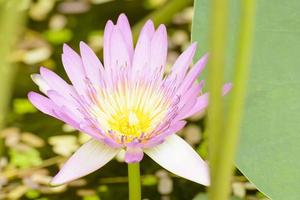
x=127 y=103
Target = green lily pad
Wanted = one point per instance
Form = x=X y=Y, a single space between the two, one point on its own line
x=25 y=159
x=270 y=134
x=204 y=196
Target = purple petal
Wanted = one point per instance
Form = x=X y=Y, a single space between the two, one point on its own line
x=189 y=99
x=66 y=92
x=106 y=43
x=193 y=74
x=61 y=101
x=48 y=107
x=74 y=68
x=40 y=81
x=183 y=62
x=133 y=154
x=92 y=66
x=119 y=55
x=226 y=88
x=42 y=103
x=87 y=159
x=172 y=129
x=66 y=116
x=56 y=83
x=203 y=100
x=124 y=27
x=181 y=159
x=201 y=104
x=142 y=50
x=159 y=49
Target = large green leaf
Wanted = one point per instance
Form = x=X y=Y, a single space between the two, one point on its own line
x=270 y=134
x=204 y=196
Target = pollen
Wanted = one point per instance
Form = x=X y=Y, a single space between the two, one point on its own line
x=132 y=119
x=131 y=110
x=130 y=123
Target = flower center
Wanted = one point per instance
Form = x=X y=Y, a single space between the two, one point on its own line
x=130 y=123
x=131 y=109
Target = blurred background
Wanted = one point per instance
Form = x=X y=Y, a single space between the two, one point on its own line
x=34 y=145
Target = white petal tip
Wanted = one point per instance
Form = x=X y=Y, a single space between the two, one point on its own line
x=55 y=183
x=42 y=69
x=30 y=95
x=82 y=44
x=87 y=159
x=149 y=23
x=205 y=57
x=34 y=77
x=59 y=179
x=194 y=44
x=65 y=46
x=122 y=16
x=108 y=24
x=38 y=80
x=178 y=157
x=67 y=49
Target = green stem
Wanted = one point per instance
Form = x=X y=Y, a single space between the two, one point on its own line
x=134 y=181
x=11 y=22
x=162 y=15
x=215 y=119
x=226 y=152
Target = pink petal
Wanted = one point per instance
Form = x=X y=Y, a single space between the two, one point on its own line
x=203 y=100
x=56 y=83
x=159 y=48
x=189 y=99
x=201 y=104
x=87 y=159
x=40 y=81
x=61 y=101
x=74 y=68
x=48 y=107
x=66 y=116
x=133 y=154
x=183 y=62
x=124 y=27
x=226 y=88
x=119 y=55
x=141 y=56
x=92 y=66
x=42 y=103
x=106 y=43
x=181 y=159
x=172 y=129
x=193 y=74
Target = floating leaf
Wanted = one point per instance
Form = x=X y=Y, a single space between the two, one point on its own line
x=32 y=194
x=203 y=196
x=23 y=106
x=58 y=36
x=93 y=197
x=269 y=145
x=24 y=159
x=103 y=188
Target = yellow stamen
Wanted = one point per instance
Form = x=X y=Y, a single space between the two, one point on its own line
x=132 y=119
x=130 y=123
x=131 y=112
